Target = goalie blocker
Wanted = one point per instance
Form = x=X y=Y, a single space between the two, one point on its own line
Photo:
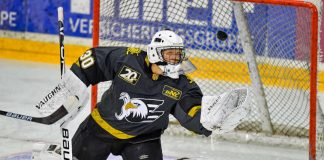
x=72 y=94
x=66 y=98
x=223 y=113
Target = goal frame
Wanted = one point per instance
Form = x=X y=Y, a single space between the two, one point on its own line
x=313 y=67
x=313 y=60
x=95 y=43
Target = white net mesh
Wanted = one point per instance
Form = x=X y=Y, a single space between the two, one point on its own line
x=281 y=40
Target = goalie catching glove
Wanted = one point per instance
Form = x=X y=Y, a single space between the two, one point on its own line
x=223 y=113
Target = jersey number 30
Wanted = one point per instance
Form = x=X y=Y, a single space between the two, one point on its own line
x=86 y=60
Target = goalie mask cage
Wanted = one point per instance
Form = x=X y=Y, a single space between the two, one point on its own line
x=270 y=46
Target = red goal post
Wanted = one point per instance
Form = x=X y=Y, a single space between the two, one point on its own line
x=95 y=43
x=303 y=46
x=314 y=34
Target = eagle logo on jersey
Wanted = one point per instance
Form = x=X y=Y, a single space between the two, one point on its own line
x=139 y=110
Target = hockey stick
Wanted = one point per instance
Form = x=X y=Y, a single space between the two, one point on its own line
x=66 y=145
x=61 y=39
x=61 y=112
x=57 y=115
x=54 y=117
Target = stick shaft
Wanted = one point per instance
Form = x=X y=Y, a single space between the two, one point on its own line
x=61 y=39
x=66 y=145
x=54 y=117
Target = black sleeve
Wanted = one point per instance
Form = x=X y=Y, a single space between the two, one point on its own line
x=97 y=65
x=188 y=111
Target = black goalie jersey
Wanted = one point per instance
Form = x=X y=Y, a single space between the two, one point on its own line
x=138 y=101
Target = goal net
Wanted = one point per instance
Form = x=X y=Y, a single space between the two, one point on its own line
x=270 y=46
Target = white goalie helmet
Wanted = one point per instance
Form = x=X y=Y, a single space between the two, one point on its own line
x=161 y=41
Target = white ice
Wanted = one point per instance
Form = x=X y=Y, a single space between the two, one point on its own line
x=23 y=84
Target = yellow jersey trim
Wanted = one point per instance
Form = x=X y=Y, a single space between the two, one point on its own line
x=147 y=61
x=107 y=127
x=192 y=112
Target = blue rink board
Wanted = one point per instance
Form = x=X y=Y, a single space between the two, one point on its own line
x=33 y=16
